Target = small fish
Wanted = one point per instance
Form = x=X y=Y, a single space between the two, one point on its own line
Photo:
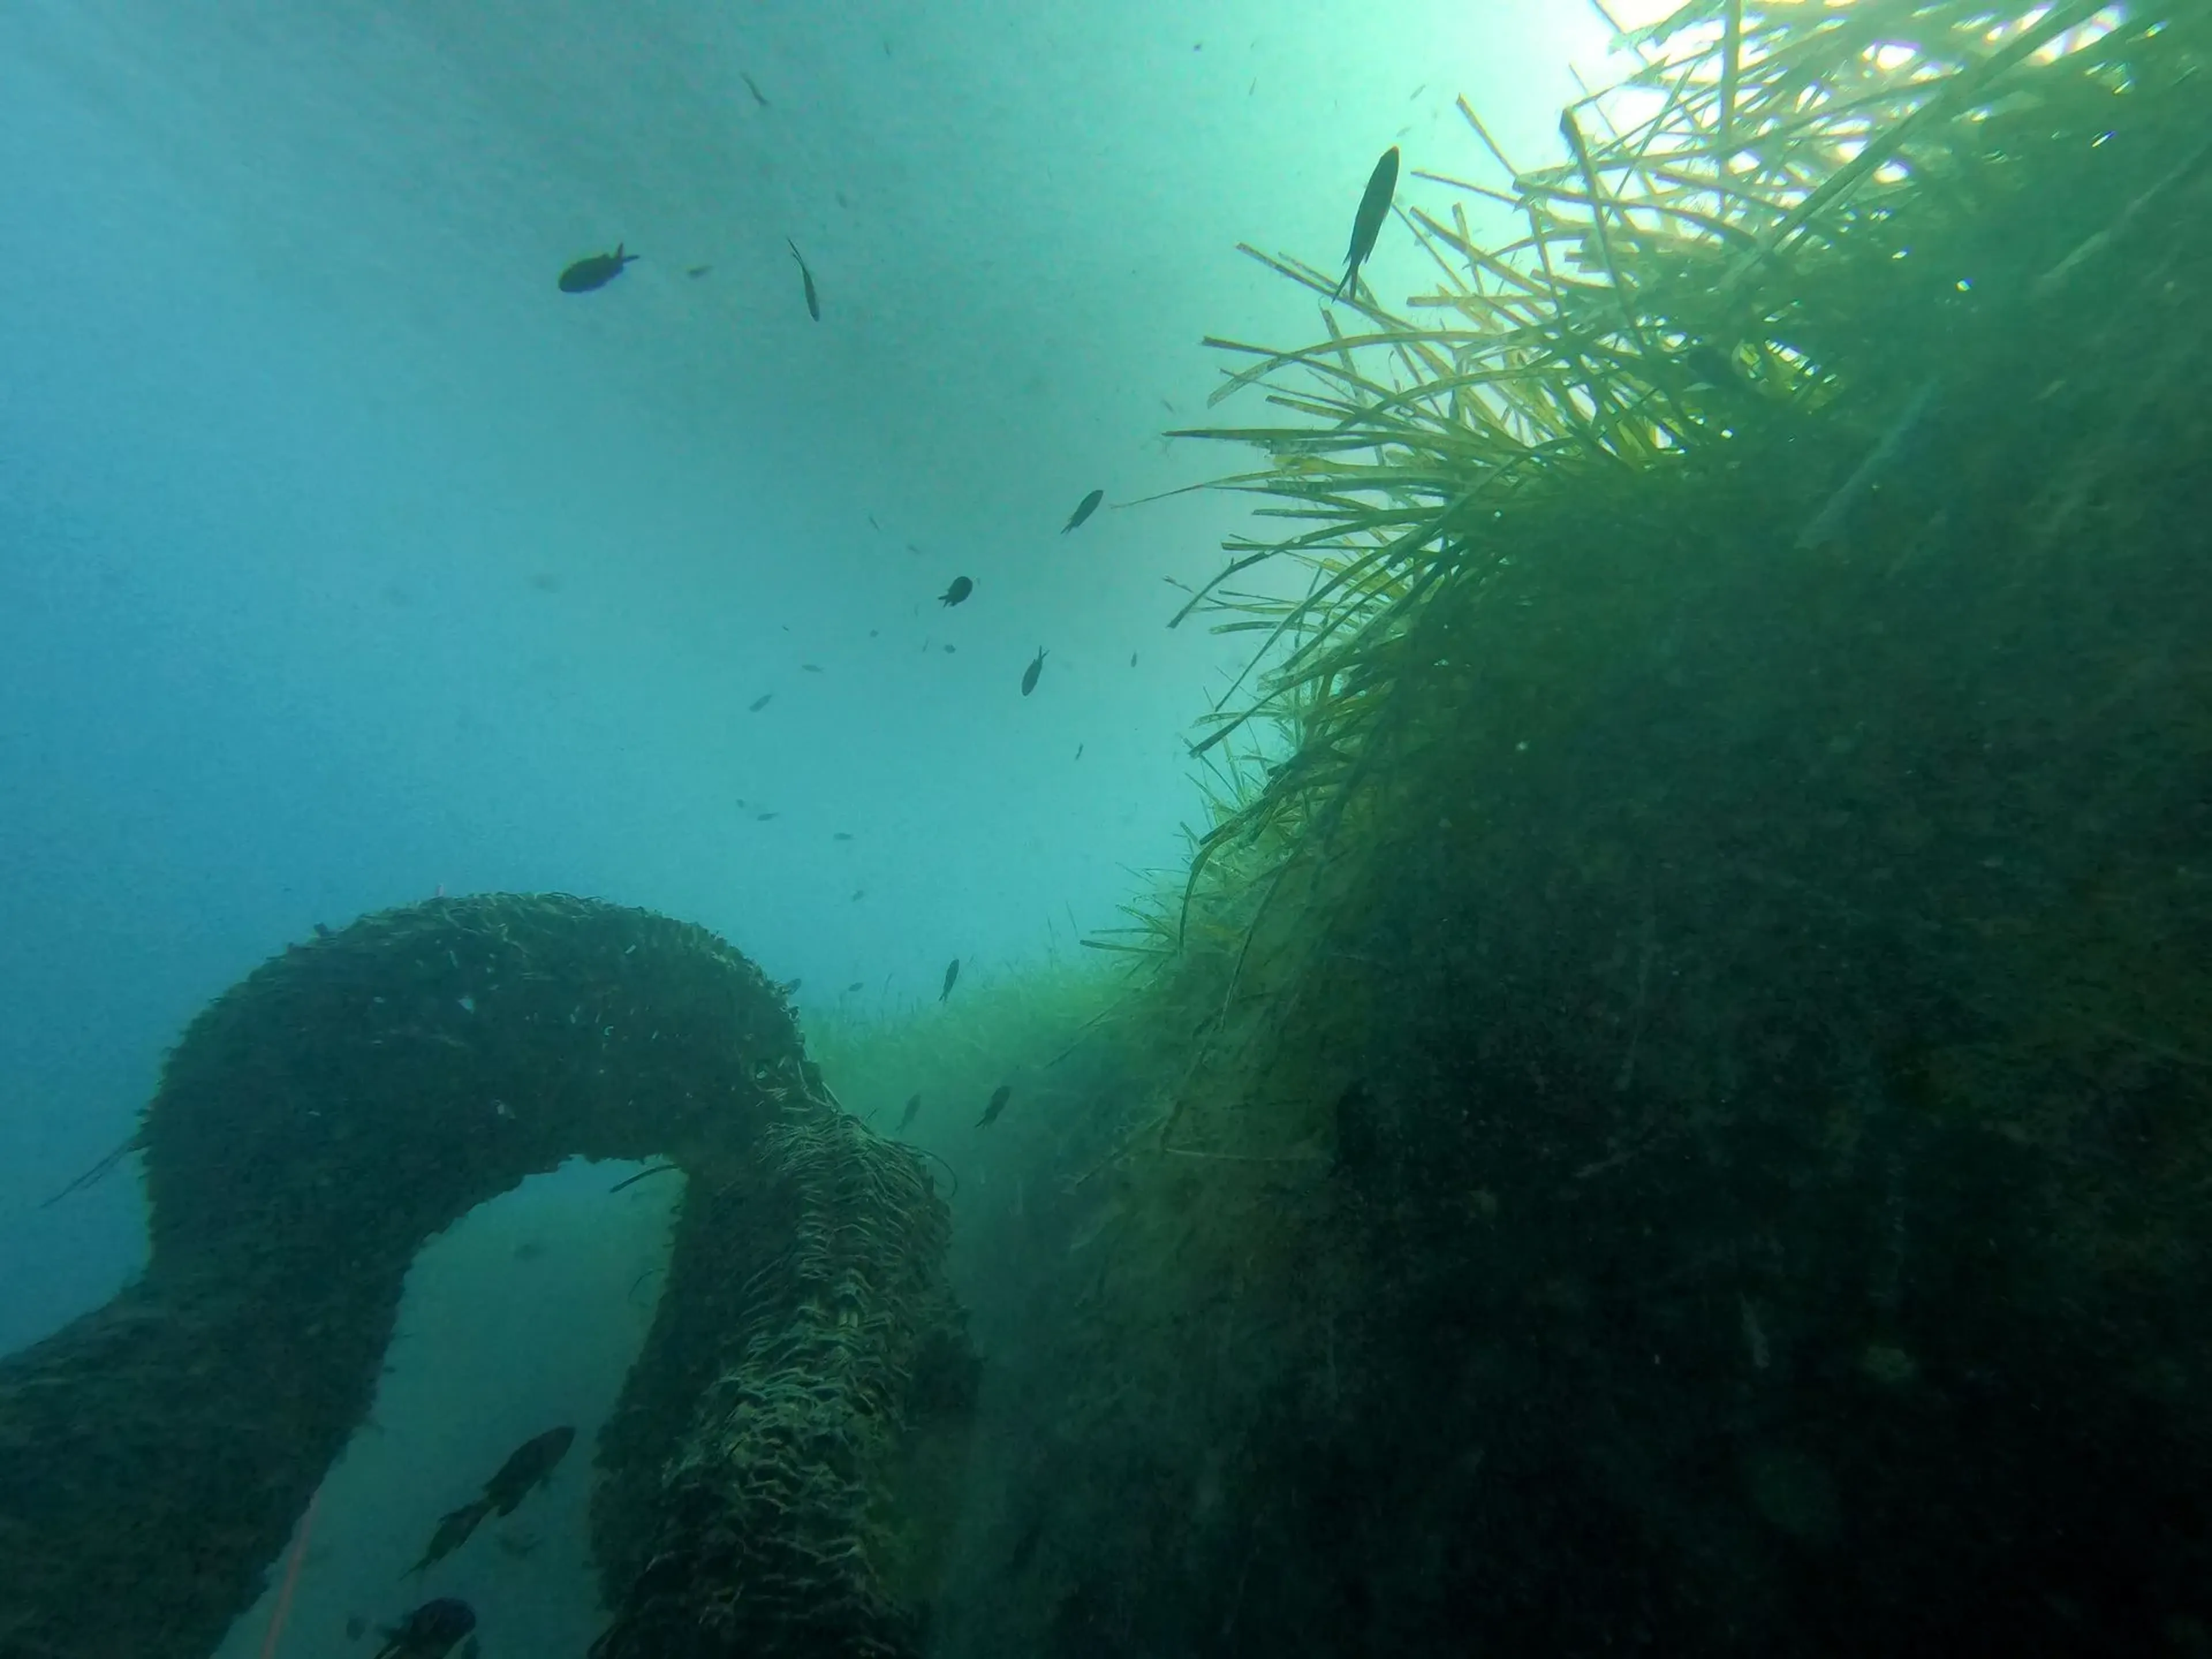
x=429 y=1631
x=961 y=588
x=453 y=1530
x=906 y=1118
x=859 y=893
x=1083 y=509
x=1030 y=674
x=595 y=270
x=1078 y=752
x=759 y=97
x=950 y=649
x=810 y=668
x=873 y=525
x=764 y=817
x=951 y=973
x=527 y=1467
x=696 y=271
x=1132 y=660
x=1000 y=1097
x=854 y=986
x=813 y=299
x=840 y=834
x=1367 y=223
x=760 y=703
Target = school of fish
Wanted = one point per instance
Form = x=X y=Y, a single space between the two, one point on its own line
x=595 y=271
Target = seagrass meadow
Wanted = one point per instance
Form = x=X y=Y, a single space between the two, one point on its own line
x=1671 y=1114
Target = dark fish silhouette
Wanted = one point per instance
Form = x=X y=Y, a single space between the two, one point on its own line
x=1374 y=208
x=764 y=817
x=840 y=834
x=696 y=272
x=813 y=299
x=961 y=588
x=595 y=270
x=526 y=1468
x=907 y=1116
x=951 y=973
x=1078 y=752
x=429 y=1631
x=760 y=703
x=1087 y=506
x=759 y=97
x=858 y=984
x=810 y=668
x=1029 y=675
x=1000 y=1097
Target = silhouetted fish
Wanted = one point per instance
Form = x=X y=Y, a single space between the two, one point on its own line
x=961 y=588
x=1374 y=208
x=1029 y=675
x=1000 y=1097
x=813 y=299
x=529 y=1466
x=1083 y=509
x=906 y=1118
x=759 y=97
x=429 y=1631
x=697 y=270
x=760 y=703
x=595 y=270
x=951 y=973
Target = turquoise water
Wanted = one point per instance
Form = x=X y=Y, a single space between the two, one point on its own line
x=345 y=560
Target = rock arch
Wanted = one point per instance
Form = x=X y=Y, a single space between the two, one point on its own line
x=759 y=1486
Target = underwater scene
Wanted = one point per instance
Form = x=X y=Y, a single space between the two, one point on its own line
x=1073 y=829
